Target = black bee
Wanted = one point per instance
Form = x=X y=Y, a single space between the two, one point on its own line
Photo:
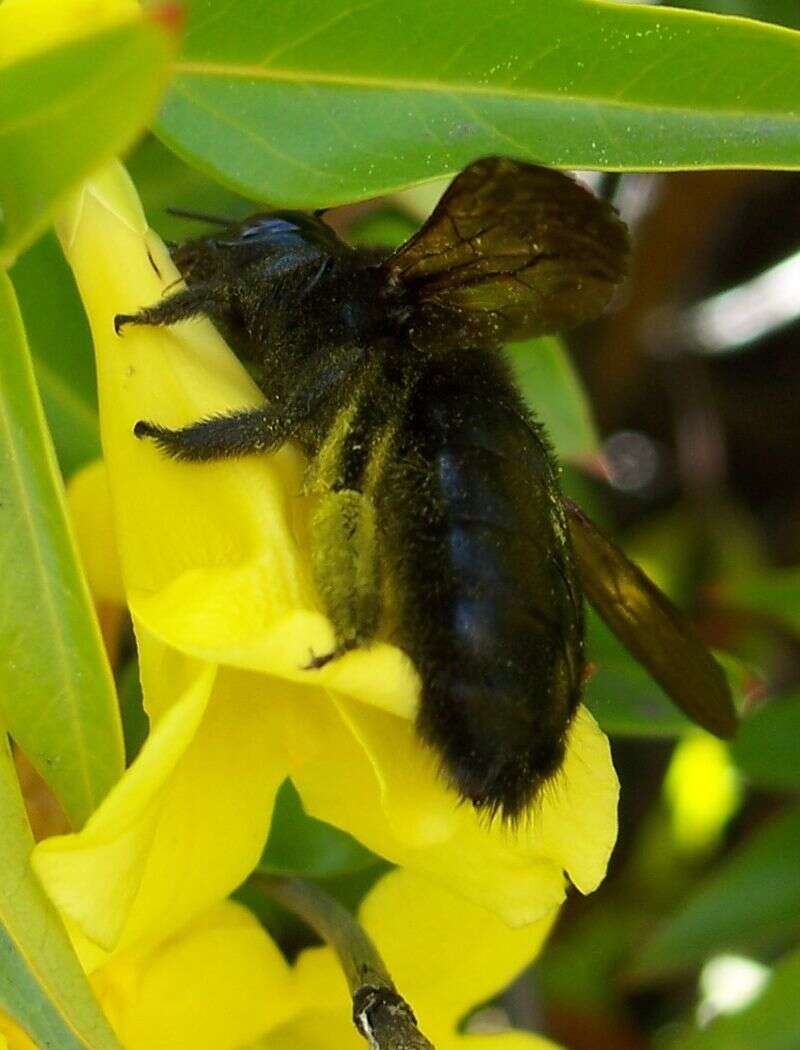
x=439 y=518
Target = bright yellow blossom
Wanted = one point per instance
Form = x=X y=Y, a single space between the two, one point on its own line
x=703 y=791
x=446 y=957
x=220 y=983
x=31 y=26
x=216 y=570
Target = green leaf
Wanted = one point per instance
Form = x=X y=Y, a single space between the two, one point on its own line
x=42 y=985
x=578 y=971
x=56 y=691
x=775 y=592
x=315 y=103
x=65 y=111
x=626 y=701
x=548 y=380
x=302 y=845
x=621 y=694
x=386 y=227
x=772 y=1022
x=135 y=722
x=751 y=900
x=61 y=347
x=781 y=12
x=163 y=181
x=766 y=745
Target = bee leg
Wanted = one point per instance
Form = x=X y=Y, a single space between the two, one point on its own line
x=261 y=429
x=315 y=662
x=345 y=567
x=240 y=433
x=211 y=300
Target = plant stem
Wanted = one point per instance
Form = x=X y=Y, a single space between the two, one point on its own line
x=380 y=1013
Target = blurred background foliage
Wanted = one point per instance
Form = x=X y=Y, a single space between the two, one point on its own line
x=677 y=420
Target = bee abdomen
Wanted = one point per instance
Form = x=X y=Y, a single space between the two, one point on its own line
x=481 y=571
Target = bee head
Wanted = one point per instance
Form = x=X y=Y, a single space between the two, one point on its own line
x=287 y=237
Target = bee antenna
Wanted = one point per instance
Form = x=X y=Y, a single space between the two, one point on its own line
x=200 y=216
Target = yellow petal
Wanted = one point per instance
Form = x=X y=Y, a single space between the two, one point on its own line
x=226 y=616
x=12 y=1036
x=703 y=790
x=392 y=800
x=209 y=556
x=504 y=1041
x=29 y=26
x=182 y=828
x=323 y=1031
x=320 y=985
x=445 y=955
x=95 y=875
x=314 y=1031
x=89 y=505
x=574 y=823
x=172 y=518
x=216 y=985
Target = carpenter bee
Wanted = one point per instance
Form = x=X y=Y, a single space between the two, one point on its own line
x=439 y=519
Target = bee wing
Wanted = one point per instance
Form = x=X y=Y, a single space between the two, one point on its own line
x=651 y=627
x=511 y=250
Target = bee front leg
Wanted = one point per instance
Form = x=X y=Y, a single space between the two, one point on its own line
x=345 y=567
x=210 y=300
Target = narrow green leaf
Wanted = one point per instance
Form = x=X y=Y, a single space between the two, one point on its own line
x=324 y=101
x=751 y=900
x=65 y=111
x=56 y=691
x=766 y=745
x=61 y=348
x=551 y=386
x=771 y=1023
x=42 y=985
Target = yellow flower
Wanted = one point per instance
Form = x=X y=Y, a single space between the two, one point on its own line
x=220 y=983
x=30 y=26
x=216 y=570
x=703 y=791
x=12 y=1037
x=446 y=956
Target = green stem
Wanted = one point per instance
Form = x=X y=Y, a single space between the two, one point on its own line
x=380 y=1013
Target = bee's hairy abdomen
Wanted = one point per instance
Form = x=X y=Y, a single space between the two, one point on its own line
x=482 y=580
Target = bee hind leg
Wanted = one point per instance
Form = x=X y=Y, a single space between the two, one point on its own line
x=345 y=567
x=239 y=433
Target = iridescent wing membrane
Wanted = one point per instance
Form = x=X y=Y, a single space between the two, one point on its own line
x=511 y=251
x=649 y=625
